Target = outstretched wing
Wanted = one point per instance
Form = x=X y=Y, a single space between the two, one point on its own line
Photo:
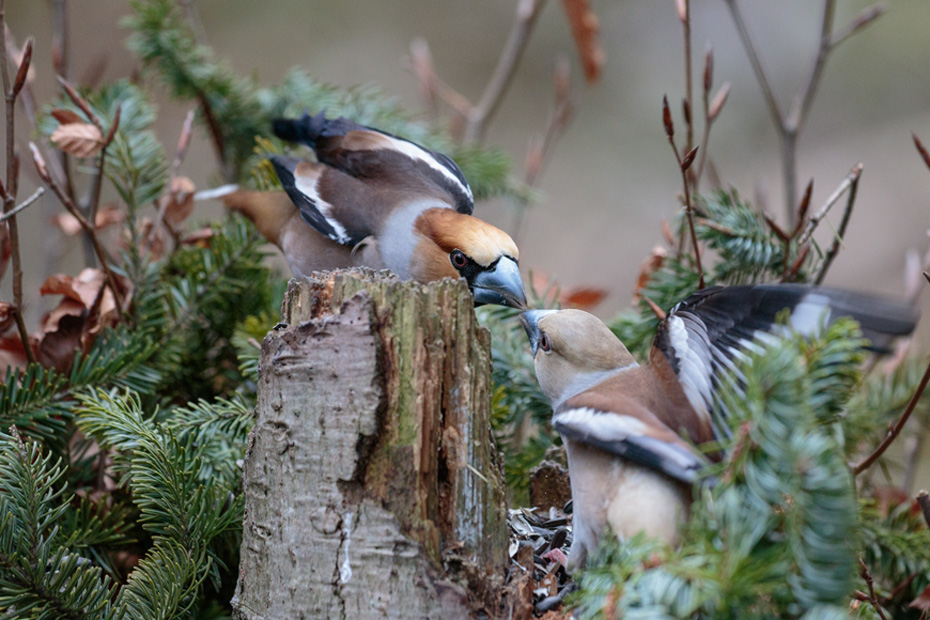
x=380 y=158
x=702 y=336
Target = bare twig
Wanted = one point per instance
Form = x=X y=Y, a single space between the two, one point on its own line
x=851 y=179
x=11 y=88
x=756 y=63
x=684 y=163
x=684 y=16
x=841 y=231
x=790 y=124
x=23 y=205
x=895 y=430
x=480 y=115
x=871 y=597
x=540 y=149
x=923 y=500
x=88 y=227
x=219 y=142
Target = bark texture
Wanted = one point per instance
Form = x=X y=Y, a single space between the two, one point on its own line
x=372 y=485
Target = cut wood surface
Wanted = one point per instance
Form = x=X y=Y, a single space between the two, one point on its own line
x=372 y=485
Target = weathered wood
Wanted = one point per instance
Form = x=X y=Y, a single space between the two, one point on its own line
x=372 y=484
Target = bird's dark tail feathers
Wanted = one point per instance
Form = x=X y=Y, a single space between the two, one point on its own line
x=309 y=129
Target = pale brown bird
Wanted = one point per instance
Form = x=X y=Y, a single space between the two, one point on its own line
x=629 y=429
x=409 y=208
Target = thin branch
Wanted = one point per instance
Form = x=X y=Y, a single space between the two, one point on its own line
x=798 y=114
x=219 y=142
x=684 y=15
x=788 y=126
x=684 y=163
x=23 y=205
x=841 y=232
x=871 y=597
x=89 y=228
x=894 y=431
x=866 y=17
x=481 y=113
x=851 y=179
x=755 y=62
x=10 y=90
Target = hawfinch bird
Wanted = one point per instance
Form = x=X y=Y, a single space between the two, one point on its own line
x=377 y=200
x=629 y=429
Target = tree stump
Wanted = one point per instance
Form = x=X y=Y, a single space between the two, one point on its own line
x=372 y=485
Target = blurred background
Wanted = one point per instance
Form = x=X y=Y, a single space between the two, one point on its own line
x=612 y=177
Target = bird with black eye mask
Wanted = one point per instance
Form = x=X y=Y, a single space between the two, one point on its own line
x=377 y=200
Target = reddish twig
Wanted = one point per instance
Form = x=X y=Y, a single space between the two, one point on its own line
x=895 y=430
x=684 y=163
x=871 y=597
x=12 y=88
x=89 y=228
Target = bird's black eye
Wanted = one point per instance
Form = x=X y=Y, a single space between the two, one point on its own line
x=544 y=342
x=458 y=258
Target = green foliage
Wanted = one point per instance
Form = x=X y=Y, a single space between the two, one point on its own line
x=777 y=532
x=39 y=574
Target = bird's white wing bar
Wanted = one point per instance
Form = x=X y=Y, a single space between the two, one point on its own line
x=628 y=437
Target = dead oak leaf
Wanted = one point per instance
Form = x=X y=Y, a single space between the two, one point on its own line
x=922 y=602
x=107 y=216
x=585 y=30
x=180 y=200
x=78 y=139
x=7 y=316
x=66 y=117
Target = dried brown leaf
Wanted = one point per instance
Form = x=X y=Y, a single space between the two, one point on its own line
x=7 y=316
x=583 y=298
x=59 y=347
x=106 y=217
x=922 y=602
x=66 y=117
x=585 y=30
x=652 y=264
x=78 y=139
x=180 y=200
x=84 y=288
x=200 y=238
x=12 y=353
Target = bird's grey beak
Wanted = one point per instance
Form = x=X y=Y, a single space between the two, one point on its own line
x=501 y=285
x=530 y=320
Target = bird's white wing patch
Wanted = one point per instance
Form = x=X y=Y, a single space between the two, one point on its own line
x=418 y=153
x=307 y=186
x=627 y=437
